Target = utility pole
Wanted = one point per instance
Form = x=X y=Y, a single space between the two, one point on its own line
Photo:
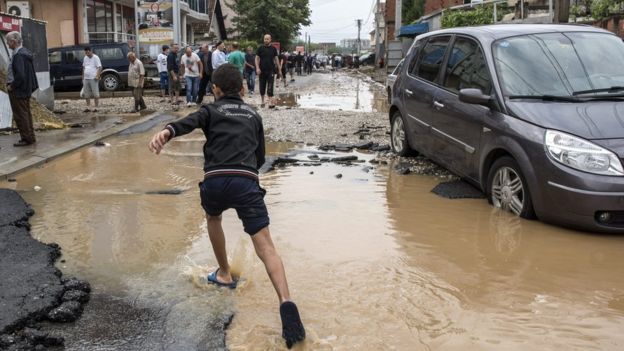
x=398 y=18
x=377 y=30
x=359 y=41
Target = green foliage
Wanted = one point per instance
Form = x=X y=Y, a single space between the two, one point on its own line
x=475 y=16
x=244 y=43
x=605 y=8
x=283 y=19
x=413 y=10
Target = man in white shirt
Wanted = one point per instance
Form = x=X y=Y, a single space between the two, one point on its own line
x=161 y=63
x=193 y=72
x=91 y=70
x=136 y=78
x=218 y=56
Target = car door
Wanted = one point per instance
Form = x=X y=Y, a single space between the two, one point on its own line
x=457 y=126
x=72 y=69
x=419 y=90
x=55 y=58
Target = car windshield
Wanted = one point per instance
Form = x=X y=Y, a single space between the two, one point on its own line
x=560 y=64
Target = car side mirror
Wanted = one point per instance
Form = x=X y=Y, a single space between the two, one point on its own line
x=474 y=96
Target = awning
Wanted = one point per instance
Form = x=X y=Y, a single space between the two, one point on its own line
x=413 y=30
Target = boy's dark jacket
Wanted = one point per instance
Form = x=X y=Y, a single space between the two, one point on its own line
x=234 y=134
x=24 y=76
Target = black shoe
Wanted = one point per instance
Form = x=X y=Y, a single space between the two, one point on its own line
x=22 y=143
x=292 y=328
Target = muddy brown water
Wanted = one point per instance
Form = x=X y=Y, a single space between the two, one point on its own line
x=343 y=93
x=374 y=260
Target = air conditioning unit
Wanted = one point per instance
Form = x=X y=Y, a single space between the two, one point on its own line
x=18 y=8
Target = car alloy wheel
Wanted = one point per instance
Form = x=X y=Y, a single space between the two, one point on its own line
x=508 y=189
x=398 y=135
x=110 y=82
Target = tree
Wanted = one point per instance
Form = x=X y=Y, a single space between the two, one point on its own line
x=283 y=19
x=413 y=10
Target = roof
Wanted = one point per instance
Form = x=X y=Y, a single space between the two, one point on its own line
x=498 y=31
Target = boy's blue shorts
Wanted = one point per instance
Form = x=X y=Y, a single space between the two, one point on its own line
x=164 y=80
x=240 y=193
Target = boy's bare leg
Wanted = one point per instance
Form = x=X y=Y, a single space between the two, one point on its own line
x=217 y=238
x=273 y=263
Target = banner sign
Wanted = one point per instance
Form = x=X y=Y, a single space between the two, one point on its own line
x=155 y=21
x=9 y=24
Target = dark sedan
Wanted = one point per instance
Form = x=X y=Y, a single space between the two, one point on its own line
x=532 y=114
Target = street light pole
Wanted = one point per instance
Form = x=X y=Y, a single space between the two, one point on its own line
x=359 y=42
x=377 y=30
x=398 y=18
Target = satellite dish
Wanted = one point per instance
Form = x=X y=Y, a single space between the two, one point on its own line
x=15 y=10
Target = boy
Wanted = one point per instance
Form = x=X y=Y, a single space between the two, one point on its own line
x=233 y=152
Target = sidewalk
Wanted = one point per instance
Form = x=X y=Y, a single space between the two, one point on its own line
x=55 y=143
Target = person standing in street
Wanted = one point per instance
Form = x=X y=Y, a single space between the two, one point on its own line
x=91 y=70
x=218 y=56
x=205 y=56
x=250 y=70
x=193 y=72
x=237 y=58
x=291 y=66
x=283 y=63
x=21 y=83
x=161 y=64
x=136 y=78
x=173 y=68
x=233 y=153
x=266 y=64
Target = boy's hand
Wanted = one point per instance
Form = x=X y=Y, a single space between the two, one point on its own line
x=159 y=140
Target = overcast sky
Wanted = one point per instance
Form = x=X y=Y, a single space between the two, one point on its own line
x=334 y=20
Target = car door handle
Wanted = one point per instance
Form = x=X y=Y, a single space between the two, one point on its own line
x=438 y=105
x=409 y=92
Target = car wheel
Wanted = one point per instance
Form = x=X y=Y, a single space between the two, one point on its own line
x=110 y=82
x=508 y=190
x=398 y=136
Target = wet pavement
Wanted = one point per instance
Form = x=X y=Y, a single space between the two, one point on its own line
x=374 y=259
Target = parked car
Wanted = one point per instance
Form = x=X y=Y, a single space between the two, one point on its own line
x=368 y=59
x=531 y=114
x=391 y=79
x=66 y=65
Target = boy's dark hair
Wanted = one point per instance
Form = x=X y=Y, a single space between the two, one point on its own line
x=165 y=47
x=228 y=78
x=88 y=48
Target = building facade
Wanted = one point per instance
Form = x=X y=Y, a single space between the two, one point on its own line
x=352 y=44
x=71 y=22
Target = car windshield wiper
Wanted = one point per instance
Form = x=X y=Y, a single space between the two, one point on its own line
x=545 y=98
x=613 y=89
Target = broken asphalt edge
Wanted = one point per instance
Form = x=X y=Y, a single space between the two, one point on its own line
x=49 y=155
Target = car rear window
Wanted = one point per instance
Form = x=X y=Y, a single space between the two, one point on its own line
x=431 y=57
x=55 y=57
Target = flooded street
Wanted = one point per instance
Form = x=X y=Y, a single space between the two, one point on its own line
x=374 y=260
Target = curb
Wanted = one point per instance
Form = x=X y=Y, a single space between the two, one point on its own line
x=46 y=156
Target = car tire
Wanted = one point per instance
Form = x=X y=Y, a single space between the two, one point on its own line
x=110 y=82
x=398 y=136
x=508 y=189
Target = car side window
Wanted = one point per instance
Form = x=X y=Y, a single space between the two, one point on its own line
x=54 y=57
x=467 y=68
x=431 y=58
x=111 y=54
x=411 y=69
x=75 y=56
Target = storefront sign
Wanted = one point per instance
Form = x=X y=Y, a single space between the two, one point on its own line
x=155 y=22
x=156 y=36
x=9 y=24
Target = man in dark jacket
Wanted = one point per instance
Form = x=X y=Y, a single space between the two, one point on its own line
x=21 y=83
x=233 y=153
x=206 y=59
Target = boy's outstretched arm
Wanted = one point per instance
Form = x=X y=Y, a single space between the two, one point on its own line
x=199 y=119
